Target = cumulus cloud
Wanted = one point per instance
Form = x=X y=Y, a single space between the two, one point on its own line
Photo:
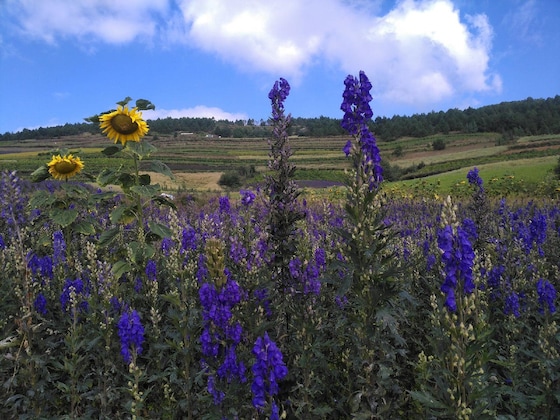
x=420 y=52
x=199 y=111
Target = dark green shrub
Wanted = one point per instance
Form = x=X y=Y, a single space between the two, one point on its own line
x=229 y=179
x=438 y=144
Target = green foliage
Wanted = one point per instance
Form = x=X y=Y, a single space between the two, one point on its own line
x=230 y=180
x=438 y=144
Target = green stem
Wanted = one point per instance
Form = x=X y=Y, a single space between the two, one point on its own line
x=139 y=209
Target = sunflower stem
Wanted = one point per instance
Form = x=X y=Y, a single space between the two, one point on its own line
x=140 y=212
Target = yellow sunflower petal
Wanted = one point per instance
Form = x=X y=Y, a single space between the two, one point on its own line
x=124 y=125
x=65 y=167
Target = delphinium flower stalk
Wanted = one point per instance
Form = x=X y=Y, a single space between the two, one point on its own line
x=221 y=333
x=131 y=334
x=457 y=354
x=268 y=369
x=370 y=280
x=73 y=301
x=363 y=148
x=281 y=189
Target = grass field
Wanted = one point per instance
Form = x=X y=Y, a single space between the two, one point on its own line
x=198 y=162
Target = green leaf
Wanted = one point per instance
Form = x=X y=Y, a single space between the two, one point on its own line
x=93 y=119
x=146 y=190
x=63 y=217
x=160 y=230
x=141 y=251
x=120 y=268
x=164 y=201
x=142 y=149
x=106 y=177
x=161 y=168
x=111 y=150
x=108 y=236
x=126 y=180
x=85 y=228
x=42 y=199
x=102 y=196
x=144 y=104
x=75 y=190
x=428 y=400
x=122 y=214
x=40 y=174
x=125 y=101
x=144 y=179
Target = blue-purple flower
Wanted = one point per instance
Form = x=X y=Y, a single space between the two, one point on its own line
x=357 y=114
x=40 y=266
x=268 y=369
x=547 y=296
x=224 y=204
x=458 y=258
x=474 y=178
x=277 y=96
x=151 y=270
x=131 y=333
x=75 y=288
x=220 y=335
x=59 y=248
x=40 y=304
x=247 y=196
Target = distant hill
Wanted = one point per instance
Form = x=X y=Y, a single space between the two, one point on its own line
x=511 y=119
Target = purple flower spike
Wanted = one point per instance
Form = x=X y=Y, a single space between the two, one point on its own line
x=269 y=368
x=547 y=296
x=357 y=114
x=131 y=333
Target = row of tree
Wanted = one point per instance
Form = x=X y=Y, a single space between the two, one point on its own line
x=527 y=117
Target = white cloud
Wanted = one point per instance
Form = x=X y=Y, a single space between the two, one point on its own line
x=199 y=111
x=106 y=20
x=420 y=52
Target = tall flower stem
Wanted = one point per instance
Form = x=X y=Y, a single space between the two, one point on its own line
x=139 y=207
x=371 y=277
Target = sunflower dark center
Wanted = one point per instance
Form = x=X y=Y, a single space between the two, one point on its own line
x=123 y=124
x=65 y=167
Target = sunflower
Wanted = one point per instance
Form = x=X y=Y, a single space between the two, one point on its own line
x=64 y=167
x=124 y=125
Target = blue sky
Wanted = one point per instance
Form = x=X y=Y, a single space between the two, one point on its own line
x=61 y=61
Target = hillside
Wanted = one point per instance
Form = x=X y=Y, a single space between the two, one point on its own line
x=509 y=119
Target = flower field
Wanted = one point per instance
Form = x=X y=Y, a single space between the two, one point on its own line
x=131 y=305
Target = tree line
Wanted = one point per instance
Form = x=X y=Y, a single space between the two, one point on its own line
x=512 y=119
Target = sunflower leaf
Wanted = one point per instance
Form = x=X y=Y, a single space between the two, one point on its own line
x=85 y=228
x=124 y=101
x=161 y=168
x=111 y=150
x=144 y=179
x=107 y=177
x=93 y=119
x=40 y=174
x=126 y=180
x=160 y=230
x=122 y=214
x=63 y=217
x=142 y=149
x=146 y=190
x=144 y=104
x=121 y=267
x=108 y=236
